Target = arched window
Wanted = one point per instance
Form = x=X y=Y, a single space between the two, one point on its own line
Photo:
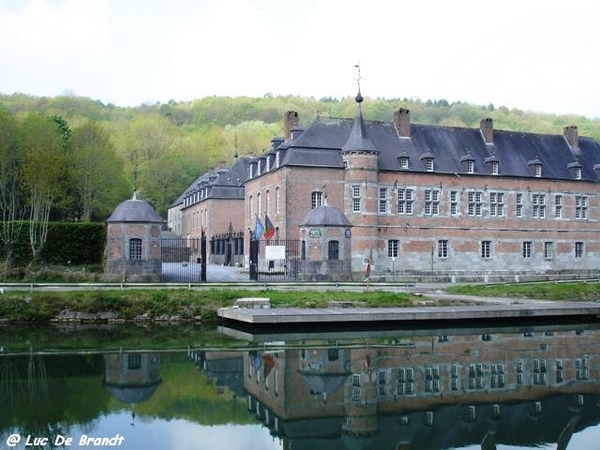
x=135 y=248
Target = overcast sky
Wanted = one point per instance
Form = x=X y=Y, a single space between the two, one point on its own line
x=538 y=55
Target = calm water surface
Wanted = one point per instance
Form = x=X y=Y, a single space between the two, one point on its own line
x=191 y=388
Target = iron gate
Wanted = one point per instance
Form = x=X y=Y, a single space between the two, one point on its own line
x=274 y=260
x=183 y=259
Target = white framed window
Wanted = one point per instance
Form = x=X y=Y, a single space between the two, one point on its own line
x=527 y=249
x=442 y=248
x=470 y=166
x=453 y=203
x=404 y=162
x=393 y=248
x=581 y=206
x=486 y=249
x=429 y=164
x=267 y=201
x=539 y=206
x=475 y=200
x=277 y=199
x=558 y=204
x=316 y=199
x=495 y=168
x=497 y=204
x=431 y=202
x=356 y=207
x=519 y=205
x=405 y=201
x=382 y=200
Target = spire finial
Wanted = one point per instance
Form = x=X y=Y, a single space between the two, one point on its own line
x=359 y=97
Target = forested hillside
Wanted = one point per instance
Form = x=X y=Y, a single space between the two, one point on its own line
x=86 y=156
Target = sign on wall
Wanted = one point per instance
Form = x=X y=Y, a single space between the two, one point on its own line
x=275 y=252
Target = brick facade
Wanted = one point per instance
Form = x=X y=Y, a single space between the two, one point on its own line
x=448 y=203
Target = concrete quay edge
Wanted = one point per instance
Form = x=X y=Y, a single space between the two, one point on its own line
x=281 y=316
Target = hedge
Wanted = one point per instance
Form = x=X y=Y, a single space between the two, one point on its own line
x=76 y=243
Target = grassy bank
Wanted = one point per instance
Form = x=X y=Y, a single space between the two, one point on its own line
x=564 y=291
x=167 y=305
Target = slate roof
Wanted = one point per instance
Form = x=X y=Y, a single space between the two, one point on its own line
x=227 y=183
x=320 y=145
x=134 y=210
x=325 y=216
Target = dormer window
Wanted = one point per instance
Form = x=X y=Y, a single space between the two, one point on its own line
x=493 y=164
x=536 y=165
x=403 y=160
x=251 y=171
x=429 y=164
x=427 y=159
x=268 y=163
x=495 y=168
x=468 y=163
x=277 y=159
x=258 y=168
x=575 y=170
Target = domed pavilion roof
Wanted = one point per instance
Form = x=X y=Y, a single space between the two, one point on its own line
x=325 y=216
x=134 y=210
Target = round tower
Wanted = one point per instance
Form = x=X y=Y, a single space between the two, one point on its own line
x=361 y=187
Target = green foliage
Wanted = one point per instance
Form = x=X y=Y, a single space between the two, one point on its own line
x=69 y=243
x=161 y=149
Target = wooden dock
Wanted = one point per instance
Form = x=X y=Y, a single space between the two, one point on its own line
x=353 y=315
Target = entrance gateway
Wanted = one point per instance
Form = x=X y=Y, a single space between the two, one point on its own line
x=274 y=260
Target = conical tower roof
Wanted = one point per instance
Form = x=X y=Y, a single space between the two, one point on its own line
x=359 y=139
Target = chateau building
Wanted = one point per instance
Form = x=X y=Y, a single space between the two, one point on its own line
x=421 y=200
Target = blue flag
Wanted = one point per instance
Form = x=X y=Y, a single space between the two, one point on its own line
x=258 y=229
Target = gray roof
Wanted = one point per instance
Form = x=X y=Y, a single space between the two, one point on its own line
x=225 y=183
x=132 y=394
x=450 y=147
x=359 y=138
x=134 y=210
x=325 y=216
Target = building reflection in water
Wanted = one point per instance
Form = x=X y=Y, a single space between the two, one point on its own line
x=429 y=391
x=132 y=377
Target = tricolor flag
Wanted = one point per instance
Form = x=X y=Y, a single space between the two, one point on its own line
x=269 y=229
x=258 y=229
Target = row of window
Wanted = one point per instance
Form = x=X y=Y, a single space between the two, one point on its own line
x=486 y=249
x=476 y=377
x=267 y=205
x=477 y=203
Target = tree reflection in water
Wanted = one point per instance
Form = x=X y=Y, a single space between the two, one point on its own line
x=411 y=389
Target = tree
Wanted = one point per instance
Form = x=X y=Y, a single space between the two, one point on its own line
x=44 y=174
x=98 y=176
x=12 y=208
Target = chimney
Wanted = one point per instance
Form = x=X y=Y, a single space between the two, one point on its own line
x=402 y=122
x=291 y=122
x=572 y=136
x=487 y=130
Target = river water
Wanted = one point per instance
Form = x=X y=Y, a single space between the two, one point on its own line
x=184 y=387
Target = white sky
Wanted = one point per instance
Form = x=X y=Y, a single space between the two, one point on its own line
x=539 y=55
